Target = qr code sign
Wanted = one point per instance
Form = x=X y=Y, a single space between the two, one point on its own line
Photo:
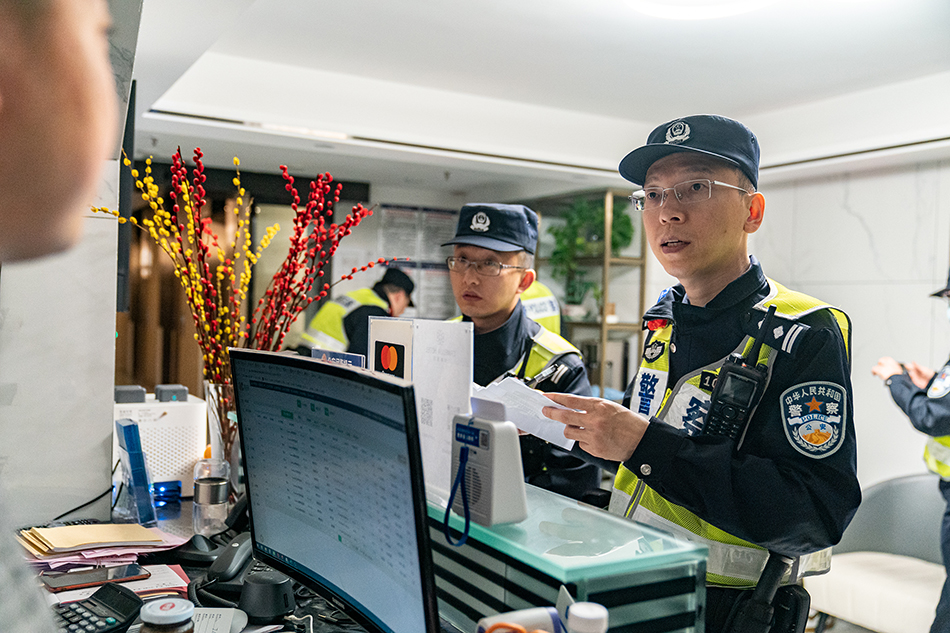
x=425 y=415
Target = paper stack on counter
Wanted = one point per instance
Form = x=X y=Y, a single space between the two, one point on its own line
x=97 y=544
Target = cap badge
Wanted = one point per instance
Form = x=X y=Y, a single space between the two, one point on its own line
x=480 y=222
x=677 y=132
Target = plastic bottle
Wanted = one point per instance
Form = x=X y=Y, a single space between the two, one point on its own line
x=586 y=617
x=167 y=615
x=211 y=496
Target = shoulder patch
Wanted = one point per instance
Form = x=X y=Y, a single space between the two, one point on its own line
x=941 y=384
x=813 y=415
x=653 y=351
x=785 y=334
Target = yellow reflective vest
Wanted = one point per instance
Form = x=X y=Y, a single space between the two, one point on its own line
x=937 y=449
x=548 y=348
x=326 y=329
x=733 y=562
x=542 y=306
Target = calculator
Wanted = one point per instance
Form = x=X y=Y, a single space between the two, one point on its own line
x=110 y=610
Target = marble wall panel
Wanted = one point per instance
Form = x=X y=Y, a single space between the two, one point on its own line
x=878 y=225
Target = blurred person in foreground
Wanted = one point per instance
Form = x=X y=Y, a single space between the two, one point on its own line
x=57 y=125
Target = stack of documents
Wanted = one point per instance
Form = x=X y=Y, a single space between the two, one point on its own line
x=97 y=544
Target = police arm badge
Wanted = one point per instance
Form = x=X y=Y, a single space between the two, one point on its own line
x=814 y=417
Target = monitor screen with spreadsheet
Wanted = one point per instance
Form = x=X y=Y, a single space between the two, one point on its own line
x=334 y=482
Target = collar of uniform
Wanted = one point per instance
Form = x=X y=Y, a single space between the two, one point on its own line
x=499 y=350
x=750 y=282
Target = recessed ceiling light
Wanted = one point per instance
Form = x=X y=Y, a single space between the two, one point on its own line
x=697 y=9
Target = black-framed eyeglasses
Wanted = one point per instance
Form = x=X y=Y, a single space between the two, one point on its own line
x=686 y=192
x=486 y=267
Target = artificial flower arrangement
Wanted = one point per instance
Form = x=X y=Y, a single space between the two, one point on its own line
x=216 y=281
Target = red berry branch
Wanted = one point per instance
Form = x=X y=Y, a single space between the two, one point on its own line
x=216 y=281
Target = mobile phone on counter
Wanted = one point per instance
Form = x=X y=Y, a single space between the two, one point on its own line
x=64 y=581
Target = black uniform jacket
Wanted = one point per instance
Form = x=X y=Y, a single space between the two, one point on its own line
x=928 y=412
x=770 y=493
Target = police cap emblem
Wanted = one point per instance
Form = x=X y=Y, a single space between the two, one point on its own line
x=814 y=416
x=677 y=132
x=480 y=222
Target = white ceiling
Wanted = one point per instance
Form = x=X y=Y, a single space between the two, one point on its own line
x=506 y=97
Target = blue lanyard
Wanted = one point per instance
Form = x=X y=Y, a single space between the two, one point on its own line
x=459 y=482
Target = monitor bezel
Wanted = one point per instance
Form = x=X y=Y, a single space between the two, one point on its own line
x=395 y=386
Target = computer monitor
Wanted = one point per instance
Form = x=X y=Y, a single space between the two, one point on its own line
x=335 y=491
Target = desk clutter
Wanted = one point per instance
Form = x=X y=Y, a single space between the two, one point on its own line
x=91 y=545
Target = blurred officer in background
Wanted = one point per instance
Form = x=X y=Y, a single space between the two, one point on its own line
x=342 y=324
x=921 y=393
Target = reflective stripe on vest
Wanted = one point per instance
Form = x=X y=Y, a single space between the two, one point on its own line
x=326 y=329
x=548 y=348
x=732 y=561
x=937 y=455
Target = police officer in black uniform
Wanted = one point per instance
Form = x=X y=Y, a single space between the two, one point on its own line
x=788 y=482
x=922 y=394
x=490 y=267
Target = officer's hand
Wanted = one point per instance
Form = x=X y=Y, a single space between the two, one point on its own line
x=919 y=375
x=603 y=428
x=887 y=367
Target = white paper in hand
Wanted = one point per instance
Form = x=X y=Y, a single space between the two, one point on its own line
x=523 y=407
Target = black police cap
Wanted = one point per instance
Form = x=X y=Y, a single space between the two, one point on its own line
x=397 y=278
x=705 y=134
x=498 y=227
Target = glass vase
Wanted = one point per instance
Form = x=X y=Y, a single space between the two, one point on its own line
x=223 y=430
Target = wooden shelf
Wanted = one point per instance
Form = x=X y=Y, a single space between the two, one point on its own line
x=602 y=266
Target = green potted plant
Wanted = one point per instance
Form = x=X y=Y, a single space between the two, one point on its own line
x=582 y=235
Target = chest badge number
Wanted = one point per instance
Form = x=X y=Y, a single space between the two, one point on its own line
x=814 y=417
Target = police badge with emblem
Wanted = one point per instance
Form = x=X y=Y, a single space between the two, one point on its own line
x=941 y=384
x=814 y=416
x=480 y=222
x=677 y=132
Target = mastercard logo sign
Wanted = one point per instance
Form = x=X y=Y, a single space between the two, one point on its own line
x=390 y=358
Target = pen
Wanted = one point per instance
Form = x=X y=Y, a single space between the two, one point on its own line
x=543 y=375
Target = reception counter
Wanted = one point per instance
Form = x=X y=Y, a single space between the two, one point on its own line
x=649 y=581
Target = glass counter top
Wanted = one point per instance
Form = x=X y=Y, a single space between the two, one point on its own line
x=571 y=541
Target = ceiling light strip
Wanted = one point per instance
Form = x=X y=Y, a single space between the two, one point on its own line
x=344 y=139
x=858 y=153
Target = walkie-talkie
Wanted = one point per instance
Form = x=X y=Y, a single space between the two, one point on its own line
x=738 y=387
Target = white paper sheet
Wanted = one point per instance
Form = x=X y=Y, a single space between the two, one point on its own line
x=523 y=406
